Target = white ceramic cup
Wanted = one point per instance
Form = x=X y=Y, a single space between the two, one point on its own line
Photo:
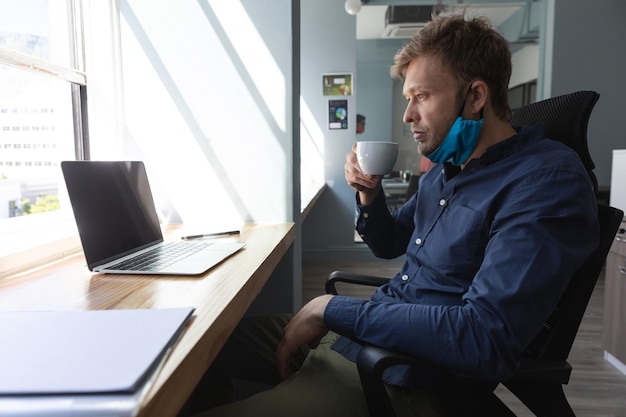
x=376 y=157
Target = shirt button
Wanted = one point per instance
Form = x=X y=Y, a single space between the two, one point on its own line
x=442 y=202
x=418 y=241
x=405 y=277
x=366 y=215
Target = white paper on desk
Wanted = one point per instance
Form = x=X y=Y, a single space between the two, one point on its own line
x=82 y=405
x=84 y=352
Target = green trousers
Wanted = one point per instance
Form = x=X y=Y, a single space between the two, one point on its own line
x=324 y=383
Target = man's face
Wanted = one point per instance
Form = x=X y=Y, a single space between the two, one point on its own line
x=432 y=106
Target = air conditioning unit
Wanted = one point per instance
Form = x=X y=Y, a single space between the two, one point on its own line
x=402 y=30
x=405 y=21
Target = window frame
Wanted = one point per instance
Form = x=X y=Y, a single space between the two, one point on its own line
x=51 y=236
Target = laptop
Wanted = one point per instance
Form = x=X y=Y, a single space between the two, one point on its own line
x=119 y=228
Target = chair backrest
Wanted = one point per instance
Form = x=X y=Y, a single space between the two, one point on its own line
x=556 y=338
x=565 y=119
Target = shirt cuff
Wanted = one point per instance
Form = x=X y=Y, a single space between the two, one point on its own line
x=380 y=199
x=340 y=314
x=379 y=205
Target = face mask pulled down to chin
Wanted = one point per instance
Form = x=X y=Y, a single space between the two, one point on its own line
x=459 y=143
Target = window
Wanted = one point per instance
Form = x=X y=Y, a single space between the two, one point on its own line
x=522 y=95
x=172 y=104
x=40 y=99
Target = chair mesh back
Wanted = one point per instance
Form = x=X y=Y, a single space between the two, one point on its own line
x=565 y=119
x=555 y=340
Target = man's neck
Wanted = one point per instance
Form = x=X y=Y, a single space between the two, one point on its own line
x=492 y=132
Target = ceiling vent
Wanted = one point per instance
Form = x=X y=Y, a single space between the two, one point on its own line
x=405 y=21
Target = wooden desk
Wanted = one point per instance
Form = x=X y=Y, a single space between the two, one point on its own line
x=221 y=297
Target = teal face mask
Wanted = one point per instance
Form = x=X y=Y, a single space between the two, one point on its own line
x=460 y=141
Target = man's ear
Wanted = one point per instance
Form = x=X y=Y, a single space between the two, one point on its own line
x=478 y=96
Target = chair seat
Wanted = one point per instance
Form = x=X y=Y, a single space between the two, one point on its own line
x=544 y=369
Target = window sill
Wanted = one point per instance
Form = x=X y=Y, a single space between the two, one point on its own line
x=309 y=196
x=47 y=238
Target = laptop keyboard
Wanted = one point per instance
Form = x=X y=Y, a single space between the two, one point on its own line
x=161 y=257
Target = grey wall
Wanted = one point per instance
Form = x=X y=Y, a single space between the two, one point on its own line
x=328 y=45
x=588 y=53
x=374 y=86
x=206 y=107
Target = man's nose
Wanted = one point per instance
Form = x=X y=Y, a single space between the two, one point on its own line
x=409 y=115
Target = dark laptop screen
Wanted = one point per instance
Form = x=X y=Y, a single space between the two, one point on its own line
x=113 y=208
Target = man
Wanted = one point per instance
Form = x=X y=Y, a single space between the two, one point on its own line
x=491 y=240
x=360 y=124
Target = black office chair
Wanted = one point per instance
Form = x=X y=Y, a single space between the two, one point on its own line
x=565 y=119
x=544 y=367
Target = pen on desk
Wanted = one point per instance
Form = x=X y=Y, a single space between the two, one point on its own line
x=228 y=233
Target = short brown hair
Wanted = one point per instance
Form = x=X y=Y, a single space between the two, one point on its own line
x=470 y=48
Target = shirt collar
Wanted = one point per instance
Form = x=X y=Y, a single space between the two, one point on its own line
x=526 y=136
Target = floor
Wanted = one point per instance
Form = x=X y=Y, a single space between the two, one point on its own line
x=596 y=388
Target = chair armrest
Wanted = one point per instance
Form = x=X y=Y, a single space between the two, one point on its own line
x=469 y=398
x=371 y=363
x=544 y=370
x=374 y=360
x=352 y=278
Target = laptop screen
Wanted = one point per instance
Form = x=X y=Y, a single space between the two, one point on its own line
x=113 y=208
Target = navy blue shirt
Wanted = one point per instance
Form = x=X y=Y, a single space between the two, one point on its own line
x=489 y=250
